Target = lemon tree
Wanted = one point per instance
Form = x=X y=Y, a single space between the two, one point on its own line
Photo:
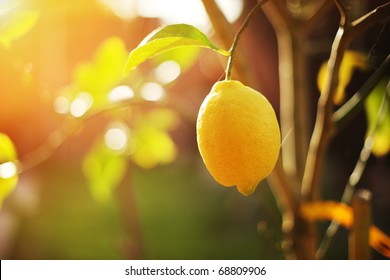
x=237 y=130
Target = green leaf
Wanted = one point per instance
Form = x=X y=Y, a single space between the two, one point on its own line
x=8 y=167
x=168 y=38
x=99 y=76
x=104 y=170
x=185 y=57
x=18 y=24
x=382 y=134
x=152 y=146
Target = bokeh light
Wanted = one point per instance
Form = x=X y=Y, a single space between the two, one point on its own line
x=120 y=93
x=167 y=71
x=116 y=137
x=152 y=91
x=191 y=11
x=8 y=170
x=81 y=104
x=61 y=105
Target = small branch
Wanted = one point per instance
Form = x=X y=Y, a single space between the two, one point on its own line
x=348 y=111
x=294 y=110
x=324 y=127
x=355 y=175
x=286 y=202
x=61 y=134
x=342 y=11
x=380 y=14
x=224 y=31
x=237 y=38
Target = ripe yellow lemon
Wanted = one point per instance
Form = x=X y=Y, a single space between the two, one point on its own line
x=238 y=135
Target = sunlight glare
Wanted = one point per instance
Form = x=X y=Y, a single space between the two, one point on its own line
x=175 y=11
x=232 y=9
x=61 y=105
x=8 y=170
x=124 y=9
x=7 y=5
x=167 y=71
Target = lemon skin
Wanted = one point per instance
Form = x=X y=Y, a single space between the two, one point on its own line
x=238 y=135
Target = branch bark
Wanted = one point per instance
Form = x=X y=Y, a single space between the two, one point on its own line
x=294 y=111
x=225 y=33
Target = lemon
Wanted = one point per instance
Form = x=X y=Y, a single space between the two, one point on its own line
x=238 y=135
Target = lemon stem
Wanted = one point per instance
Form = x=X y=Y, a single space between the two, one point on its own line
x=237 y=37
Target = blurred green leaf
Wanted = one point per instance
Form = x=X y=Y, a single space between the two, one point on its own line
x=168 y=38
x=104 y=170
x=382 y=134
x=104 y=72
x=185 y=57
x=152 y=146
x=16 y=25
x=8 y=167
x=164 y=119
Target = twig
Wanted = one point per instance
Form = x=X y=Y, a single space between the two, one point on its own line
x=294 y=111
x=324 y=126
x=286 y=202
x=225 y=33
x=354 y=105
x=61 y=134
x=380 y=14
x=356 y=174
x=342 y=11
x=237 y=38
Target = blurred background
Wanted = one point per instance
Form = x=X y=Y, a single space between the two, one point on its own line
x=110 y=164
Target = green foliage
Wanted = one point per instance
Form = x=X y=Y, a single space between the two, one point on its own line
x=104 y=72
x=185 y=57
x=104 y=170
x=135 y=135
x=168 y=38
x=16 y=25
x=147 y=143
x=8 y=167
x=382 y=134
x=152 y=146
x=151 y=143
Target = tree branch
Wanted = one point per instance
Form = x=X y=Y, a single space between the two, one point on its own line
x=348 y=111
x=225 y=33
x=343 y=12
x=237 y=38
x=356 y=174
x=324 y=126
x=380 y=14
x=294 y=111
